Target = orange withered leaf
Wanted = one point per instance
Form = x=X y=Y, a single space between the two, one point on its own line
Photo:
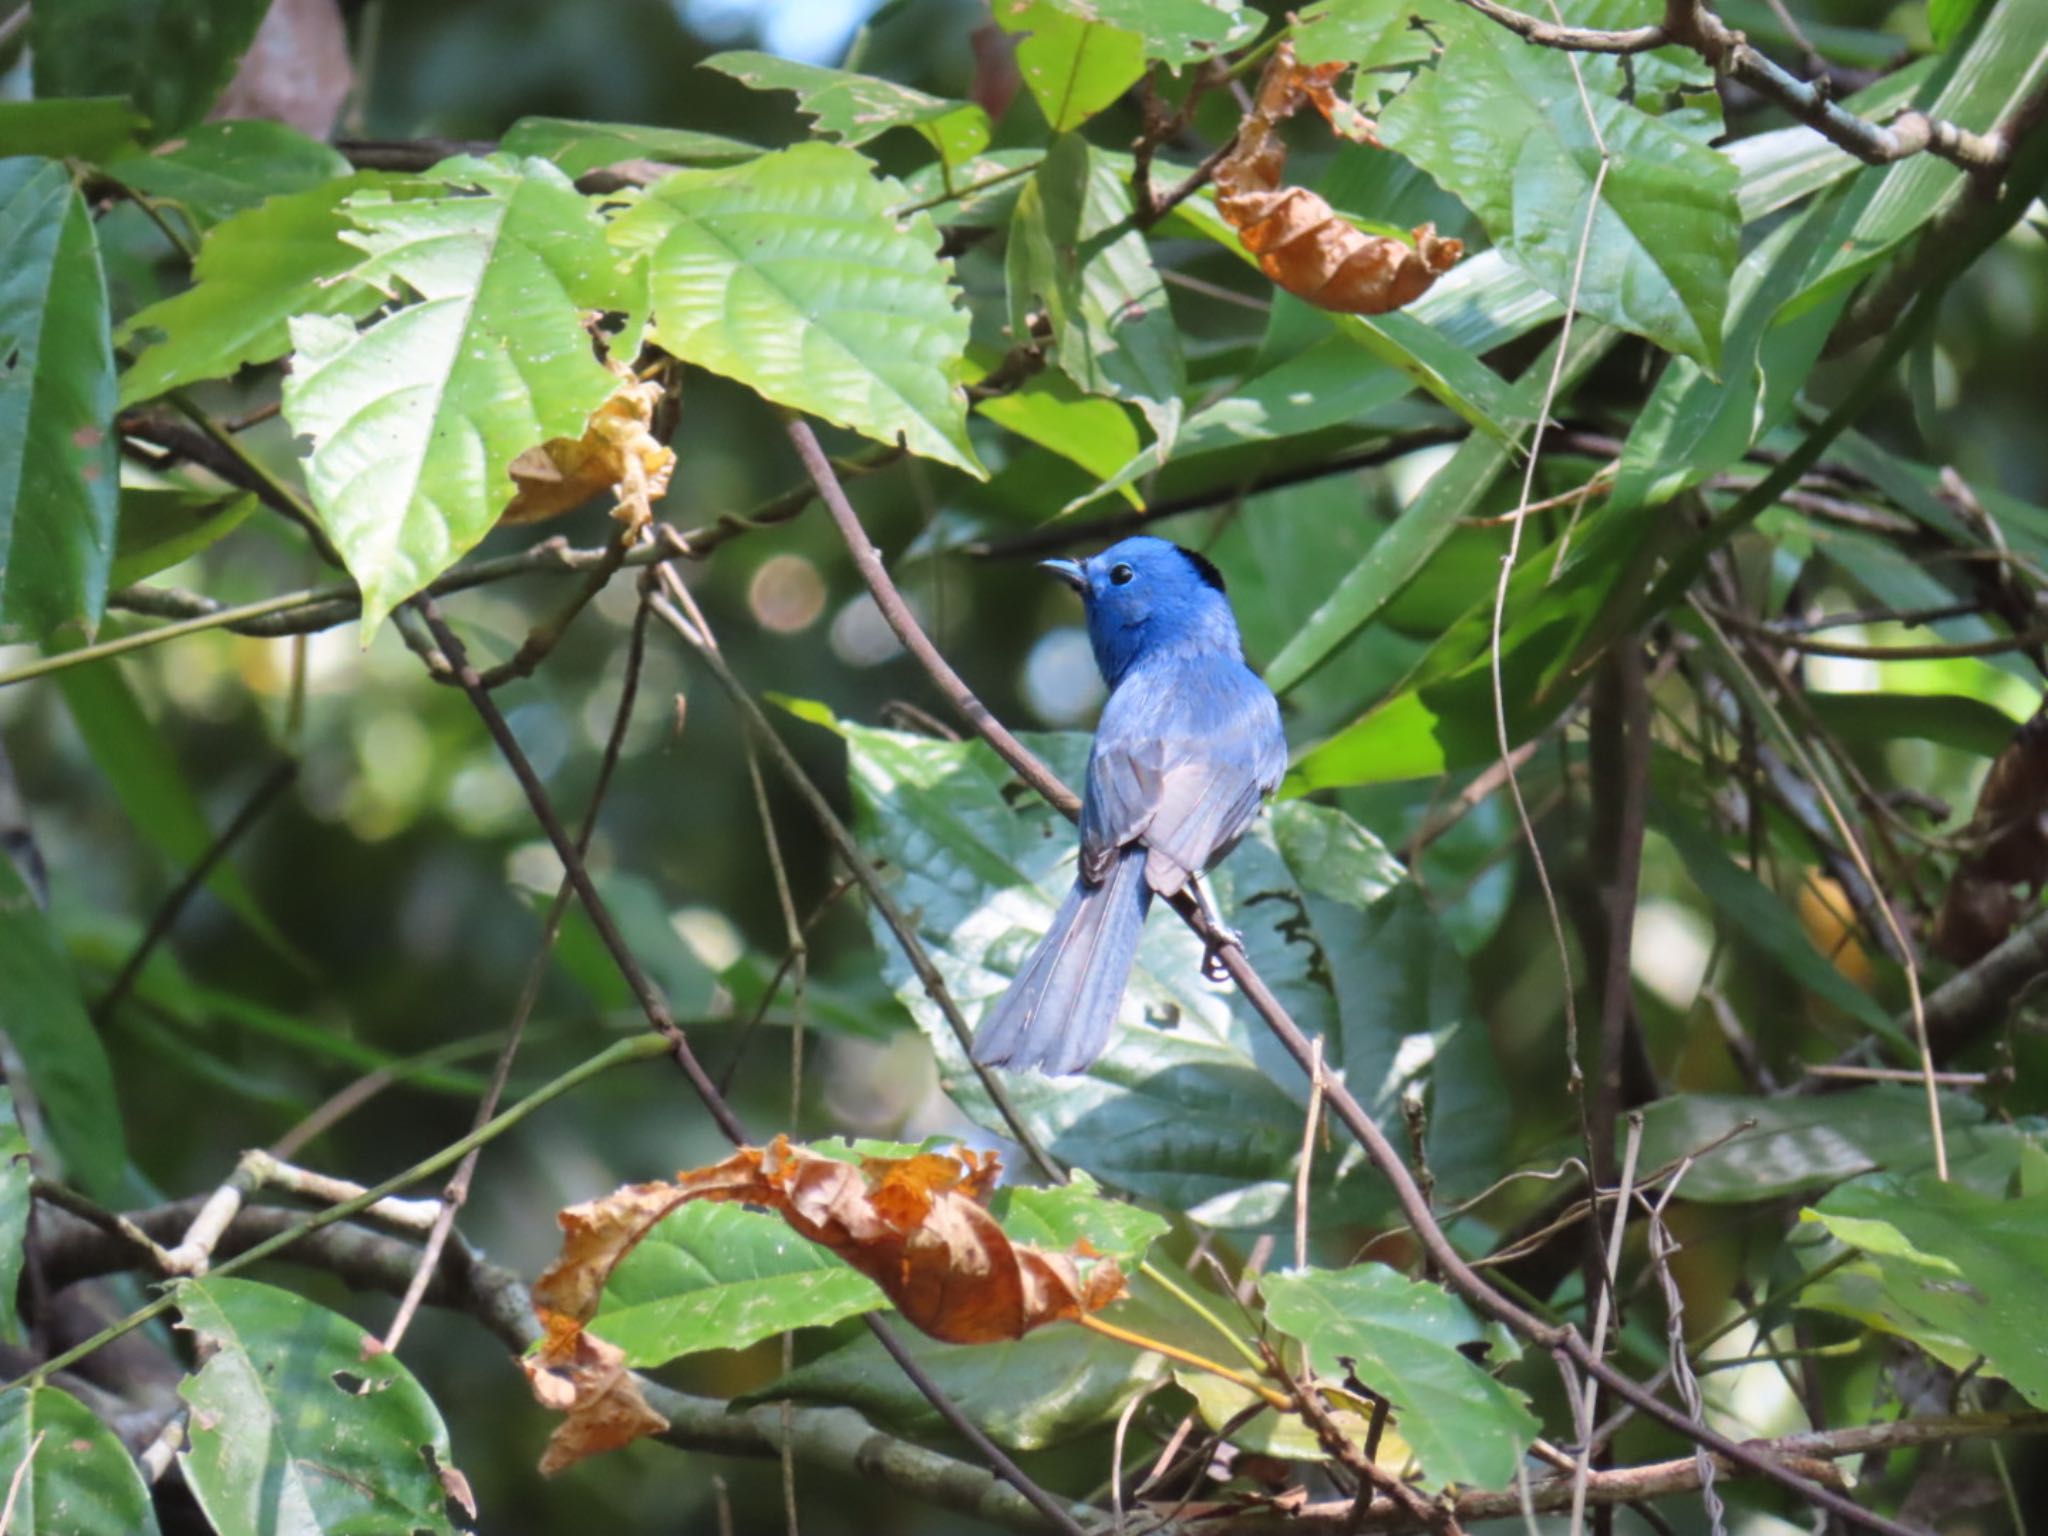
x=618 y=451
x=580 y=1375
x=919 y=1227
x=1301 y=242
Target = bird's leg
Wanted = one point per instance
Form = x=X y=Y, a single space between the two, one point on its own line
x=1220 y=935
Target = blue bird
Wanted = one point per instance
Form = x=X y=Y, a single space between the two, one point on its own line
x=1188 y=746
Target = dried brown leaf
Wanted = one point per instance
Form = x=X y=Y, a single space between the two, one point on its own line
x=580 y=1375
x=918 y=1227
x=1301 y=243
x=618 y=451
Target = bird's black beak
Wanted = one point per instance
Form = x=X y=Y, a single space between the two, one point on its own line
x=1068 y=571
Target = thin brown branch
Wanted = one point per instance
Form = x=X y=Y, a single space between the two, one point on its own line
x=1363 y=1128
x=274 y=784
x=652 y=1004
x=1689 y=24
x=456 y=1192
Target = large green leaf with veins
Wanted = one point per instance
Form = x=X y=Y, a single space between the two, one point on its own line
x=1959 y=1271
x=792 y=275
x=415 y=419
x=1502 y=127
x=721 y=1277
x=1073 y=66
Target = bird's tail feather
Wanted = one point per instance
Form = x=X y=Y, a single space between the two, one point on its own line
x=1057 y=1015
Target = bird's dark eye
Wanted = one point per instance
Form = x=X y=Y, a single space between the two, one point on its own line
x=1121 y=574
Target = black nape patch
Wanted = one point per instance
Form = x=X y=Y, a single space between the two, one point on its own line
x=1204 y=568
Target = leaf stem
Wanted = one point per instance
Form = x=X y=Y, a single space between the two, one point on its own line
x=1201 y=1309
x=1252 y=1384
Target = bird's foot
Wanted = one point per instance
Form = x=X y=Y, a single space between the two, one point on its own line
x=1222 y=938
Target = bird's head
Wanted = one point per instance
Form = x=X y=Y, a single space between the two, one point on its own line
x=1144 y=594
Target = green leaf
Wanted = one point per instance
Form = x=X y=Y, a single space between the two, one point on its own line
x=58 y=463
x=856 y=108
x=1946 y=19
x=1799 y=1143
x=255 y=271
x=415 y=420
x=578 y=147
x=1369 y=34
x=14 y=1209
x=78 y=128
x=1072 y=67
x=217 y=170
x=1076 y=1212
x=1073 y=247
x=170 y=57
x=297 y=1425
x=792 y=275
x=1501 y=126
x=1763 y=920
x=1176 y=31
x=1694 y=426
x=1048 y=410
x=1439 y=359
x=2006 y=59
x=1193 y=1106
x=143 y=773
x=79 y=1480
x=1451 y=495
x=722 y=1277
x=1963 y=1272
x=42 y=1017
x=1401 y=1338
x=161 y=528
x=1047 y=1387
x=1951 y=719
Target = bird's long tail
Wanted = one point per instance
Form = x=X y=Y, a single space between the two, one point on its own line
x=1058 y=1012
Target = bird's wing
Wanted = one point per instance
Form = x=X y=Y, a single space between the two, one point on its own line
x=1183 y=765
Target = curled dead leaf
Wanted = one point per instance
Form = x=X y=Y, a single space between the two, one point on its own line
x=919 y=1227
x=580 y=1375
x=618 y=451
x=1301 y=242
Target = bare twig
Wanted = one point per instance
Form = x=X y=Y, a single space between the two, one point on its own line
x=1587 y=1395
x=456 y=1193
x=1689 y=24
x=1308 y=1153
x=275 y=783
x=651 y=1002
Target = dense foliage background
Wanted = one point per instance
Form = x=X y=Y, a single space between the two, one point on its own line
x=1774 y=625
